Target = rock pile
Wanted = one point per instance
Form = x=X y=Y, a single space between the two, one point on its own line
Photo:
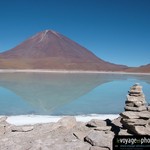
x=135 y=99
x=66 y=134
x=136 y=117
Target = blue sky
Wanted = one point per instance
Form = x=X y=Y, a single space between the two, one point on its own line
x=117 y=31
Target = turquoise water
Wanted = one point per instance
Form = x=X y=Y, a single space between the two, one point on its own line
x=66 y=94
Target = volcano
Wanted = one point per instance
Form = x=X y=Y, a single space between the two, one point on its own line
x=52 y=50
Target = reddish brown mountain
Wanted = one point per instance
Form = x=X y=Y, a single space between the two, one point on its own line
x=142 y=69
x=51 y=50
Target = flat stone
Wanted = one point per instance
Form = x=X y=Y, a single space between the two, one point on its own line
x=135 y=122
x=130 y=104
x=70 y=138
x=136 y=115
x=135 y=91
x=130 y=115
x=98 y=148
x=22 y=128
x=96 y=123
x=124 y=132
x=106 y=128
x=117 y=122
x=80 y=134
x=135 y=104
x=67 y=122
x=138 y=104
x=99 y=138
x=140 y=130
x=141 y=108
x=144 y=115
x=136 y=99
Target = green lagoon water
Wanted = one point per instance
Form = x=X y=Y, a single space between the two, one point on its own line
x=66 y=94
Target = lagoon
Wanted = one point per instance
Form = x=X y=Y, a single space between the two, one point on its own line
x=58 y=94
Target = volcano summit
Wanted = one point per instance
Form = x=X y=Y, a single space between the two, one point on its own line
x=52 y=50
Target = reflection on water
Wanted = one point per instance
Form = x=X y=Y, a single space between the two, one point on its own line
x=51 y=93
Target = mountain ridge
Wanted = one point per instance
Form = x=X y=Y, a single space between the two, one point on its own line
x=143 y=69
x=51 y=50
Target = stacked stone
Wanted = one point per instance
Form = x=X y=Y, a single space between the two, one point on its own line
x=136 y=117
x=135 y=99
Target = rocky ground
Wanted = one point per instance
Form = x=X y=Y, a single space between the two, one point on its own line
x=68 y=134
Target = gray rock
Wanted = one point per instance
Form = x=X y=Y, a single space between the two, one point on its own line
x=140 y=130
x=117 y=122
x=136 y=89
x=67 y=122
x=130 y=115
x=80 y=131
x=70 y=138
x=11 y=147
x=135 y=103
x=106 y=128
x=39 y=145
x=2 y=129
x=124 y=132
x=81 y=126
x=75 y=145
x=136 y=99
x=141 y=108
x=148 y=126
x=99 y=138
x=144 y=115
x=98 y=148
x=80 y=135
x=22 y=128
x=3 y=119
x=14 y=142
x=130 y=104
x=138 y=104
x=96 y=123
x=135 y=122
x=135 y=115
x=137 y=126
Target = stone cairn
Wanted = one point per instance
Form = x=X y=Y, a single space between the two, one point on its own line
x=136 y=117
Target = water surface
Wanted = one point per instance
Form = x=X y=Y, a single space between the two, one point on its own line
x=66 y=94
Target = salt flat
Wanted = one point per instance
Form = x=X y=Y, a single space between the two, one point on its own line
x=67 y=71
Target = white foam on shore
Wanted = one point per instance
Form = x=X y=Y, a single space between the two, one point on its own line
x=35 y=119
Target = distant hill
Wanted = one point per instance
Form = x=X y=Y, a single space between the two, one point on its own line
x=52 y=50
x=142 y=69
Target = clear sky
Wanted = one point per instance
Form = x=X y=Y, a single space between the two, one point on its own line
x=117 y=31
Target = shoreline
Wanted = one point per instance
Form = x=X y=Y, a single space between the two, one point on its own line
x=41 y=119
x=67 y=71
